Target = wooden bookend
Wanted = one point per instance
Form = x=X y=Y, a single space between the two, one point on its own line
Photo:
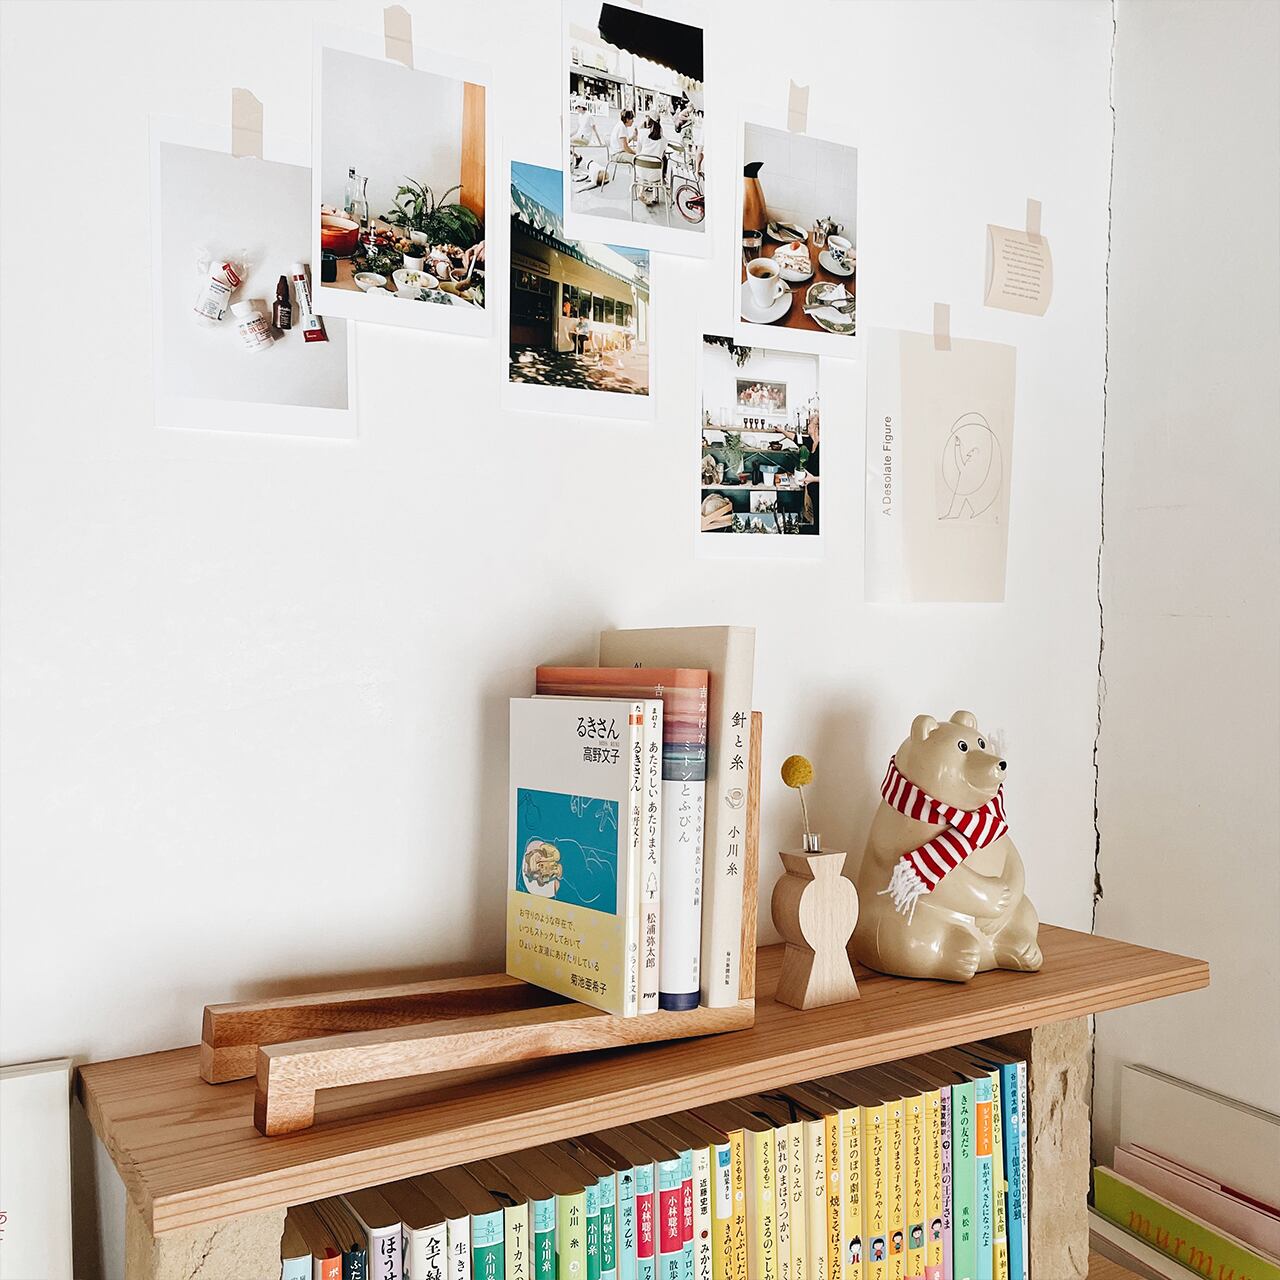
x=296 y=1045
x=815 y=909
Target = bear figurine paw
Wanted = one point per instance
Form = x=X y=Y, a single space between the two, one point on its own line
x=1026 y=958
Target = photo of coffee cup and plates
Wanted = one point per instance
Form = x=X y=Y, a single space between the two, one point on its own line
x=799 y=236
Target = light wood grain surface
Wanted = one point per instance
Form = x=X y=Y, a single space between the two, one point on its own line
x=189 y=1153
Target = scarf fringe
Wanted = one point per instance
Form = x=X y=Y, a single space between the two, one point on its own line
x=906 y=888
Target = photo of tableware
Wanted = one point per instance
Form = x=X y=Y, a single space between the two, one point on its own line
x=831 y=306
x=367 y=280
x=416 y=280
x=751 y=241
x=841 y=250
x=767 y=315
x=782 y=232
x=793 y=262
x=826 y=260
x=339 y=234
x=765 y=283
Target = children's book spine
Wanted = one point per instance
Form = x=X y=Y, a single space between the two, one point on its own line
x=895 y=1197
x=944 y=1115
x=646 y=1223
x=964 y=1226
x=741 y=1250
x=542 y=1232
x=835 y=1191
x=851 y=1216
x=355 y=1264
x=762 y=1208
x=933 y=1184
x=608 y=1191
x=799 y=1225
x=875 y=1181
x=670 y=1230
x=782 y=1198
x=1014 y=1076
x=702 y=1247
x=815 y=1176
x=686 y=1212
x=488 y=1252
x=722 y=1211
x=626 y=1229
x=591 y=1201
x=651 y=863
x=915 y=1185
x=984 y=1183
x=999 y=1184
x=571 y=1236
x=425 y=1252
x=385 y=1257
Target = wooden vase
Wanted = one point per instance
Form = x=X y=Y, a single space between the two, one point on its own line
x=815 y=909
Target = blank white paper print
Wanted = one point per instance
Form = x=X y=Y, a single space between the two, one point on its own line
x=939 y=463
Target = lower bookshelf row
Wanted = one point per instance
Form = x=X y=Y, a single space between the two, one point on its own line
x=915 y=1170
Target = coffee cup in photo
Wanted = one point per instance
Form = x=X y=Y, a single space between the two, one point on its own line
x=764 y=282
x=841 y=250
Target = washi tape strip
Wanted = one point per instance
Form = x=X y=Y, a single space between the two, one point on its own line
x=246 y=124
x=942 y=326
x=397 y=31
x=798 y=107
x=1033 y=219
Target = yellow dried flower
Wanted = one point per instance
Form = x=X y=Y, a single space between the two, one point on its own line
x=797 y=771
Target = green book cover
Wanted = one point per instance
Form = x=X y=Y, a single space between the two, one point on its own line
x=592 y=1200
x=487 y=1254
x=1176 y=1234
x=542 y=1223
x=571 y=1236
x=964 y=1228
x=608 y=1190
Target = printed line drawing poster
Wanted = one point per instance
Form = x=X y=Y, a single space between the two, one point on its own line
x=939 y=466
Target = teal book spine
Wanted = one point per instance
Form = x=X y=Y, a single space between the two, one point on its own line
x=488 y=1259
x=542 y=1225
x=984 y=1176
x=964 y=1231
x=593 y=1230
x=627 y=1224
x=608 y=1187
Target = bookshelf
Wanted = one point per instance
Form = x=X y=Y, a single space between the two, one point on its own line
x=193 y=1162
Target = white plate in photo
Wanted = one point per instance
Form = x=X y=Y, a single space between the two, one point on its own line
x=832 y=265
x=406 y=279
x=785 y=232
x=792 y=274
x=832 y=318
x=775 y=312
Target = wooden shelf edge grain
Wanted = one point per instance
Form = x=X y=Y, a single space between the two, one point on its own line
x=190 y=1155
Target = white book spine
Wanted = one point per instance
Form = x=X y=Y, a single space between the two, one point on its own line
x=635 y=839
x=458 y=1231
x=651 y=863
x=681 y=891
x=425 y=1253
x=702 y=1250
x=386 y=1260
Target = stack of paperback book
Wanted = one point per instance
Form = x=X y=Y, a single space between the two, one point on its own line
x=627 y=813
x=911 y=1171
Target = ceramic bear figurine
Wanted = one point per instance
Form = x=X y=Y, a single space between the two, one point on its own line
x=941 y=883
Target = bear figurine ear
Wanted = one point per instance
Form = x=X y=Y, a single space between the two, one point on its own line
x=922 y=727
x=966 y=718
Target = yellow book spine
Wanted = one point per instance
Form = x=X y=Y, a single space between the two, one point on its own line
x=782 y=1198
x=741 y=1254
x=762 y=1216
x=875 y=1202
x=815 y=1155
x=835 y=1192
x=851 y=1216
x=896 y=1164
x=799 y=1224
x=571 y=1234
x=999 y=1187
x=914 y=1189
x=722 y=1211
x=933 y=1185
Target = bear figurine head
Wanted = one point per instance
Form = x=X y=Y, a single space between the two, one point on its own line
x=951 y=762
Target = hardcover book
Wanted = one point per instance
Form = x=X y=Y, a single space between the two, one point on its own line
x=575 y=840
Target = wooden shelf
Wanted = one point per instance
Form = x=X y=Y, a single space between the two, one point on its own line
x=189 y=1153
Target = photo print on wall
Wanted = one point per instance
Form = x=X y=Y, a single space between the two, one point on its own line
x=579 y=321
x=634 y=126
x=399 y=186
x=234 y=349
x=759 y=467
x=797 y=275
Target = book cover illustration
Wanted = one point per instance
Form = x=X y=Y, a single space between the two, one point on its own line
x=569 y=848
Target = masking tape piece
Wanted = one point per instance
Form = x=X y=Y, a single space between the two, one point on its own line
x=1033 y=218
x=941 y=326
x=246 y=124
x=397 y=30
x=798 y=107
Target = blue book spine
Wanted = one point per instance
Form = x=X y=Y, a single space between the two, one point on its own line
x=1013 y=1120
x=985 y=1216
x=627 y=1225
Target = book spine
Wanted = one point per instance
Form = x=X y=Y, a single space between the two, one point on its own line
x=355 y=1264
x=651 y=864
x=762 y=1209
x=488 y=1254
x=933 y=1185
x=299 y=1268
x=999 y=1184
x=571 y=1236
x=702 y=1247
x=646 y=1223
x=895 y=1164
x=635 y=839
x=835 y=1192
x=686 y=1212
x=670 y=1231
x=875 y=1180
x=741 y=1252
x=721 y=1211
x=626 y=1233
x=728 y=746
x=815 y=1165
x=425 y=1253
x=683 y=798
x=799 y=1224
x=328 y=1267
x=516 y=1242
x=542 y=1223
x=964 y=1237
x=385 y=1257
x=782 y=1197
x=591 y=1202
x=851 y=1218
x=1017 y=1163
x=984 y=1220
x=608 y=1190
x=915 y=1186
x=944 y=1116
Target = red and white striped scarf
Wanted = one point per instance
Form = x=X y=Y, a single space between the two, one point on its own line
x=918 y=872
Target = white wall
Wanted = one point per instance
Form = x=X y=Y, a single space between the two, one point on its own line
x=254 y=727
x=1189 y=798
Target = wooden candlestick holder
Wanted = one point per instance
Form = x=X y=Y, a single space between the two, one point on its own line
x=815 y=909
x=295 y=1045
